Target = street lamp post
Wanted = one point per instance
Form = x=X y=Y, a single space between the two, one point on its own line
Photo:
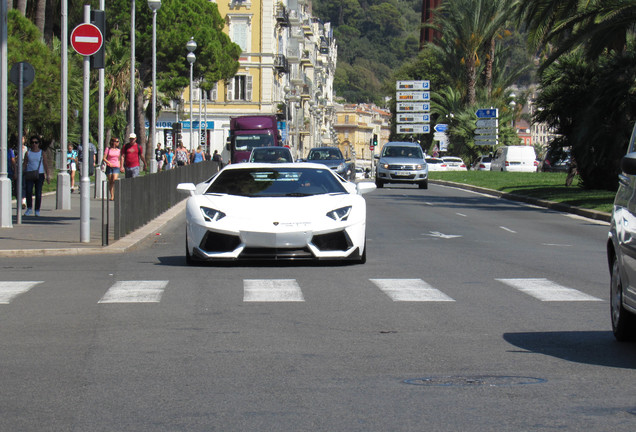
x=191 y=46
x=131 y=104
x=154 y=6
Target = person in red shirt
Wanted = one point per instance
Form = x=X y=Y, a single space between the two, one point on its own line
x=131 y=156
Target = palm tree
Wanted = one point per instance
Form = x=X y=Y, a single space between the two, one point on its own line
x=468 y=28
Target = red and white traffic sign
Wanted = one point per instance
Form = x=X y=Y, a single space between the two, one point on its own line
x=86 y=39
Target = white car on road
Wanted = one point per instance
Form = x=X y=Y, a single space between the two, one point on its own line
x=287 y=211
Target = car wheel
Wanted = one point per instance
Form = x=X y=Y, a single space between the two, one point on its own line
x=363 y=257
x=189 y=259
x=623 y=322
x=379 y=184
x=423 y=185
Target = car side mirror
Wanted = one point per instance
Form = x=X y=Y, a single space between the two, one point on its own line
x=628 y=163
x=187 y=188
x=365 y=187
x=375 y=156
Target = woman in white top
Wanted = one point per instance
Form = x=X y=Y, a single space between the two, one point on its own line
x=35 y=160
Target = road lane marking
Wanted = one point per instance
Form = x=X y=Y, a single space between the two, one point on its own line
x=11 y=289
x=508 y=229
x=272 y=290
x=135 y=292
x=441 y=235
x=546 y=290
x=410 y=290
x=461 y=214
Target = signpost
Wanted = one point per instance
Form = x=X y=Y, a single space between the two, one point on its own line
x=487 y=131
x=412 y=106
x=413 y=128
x=413 y=85
x=86 y=39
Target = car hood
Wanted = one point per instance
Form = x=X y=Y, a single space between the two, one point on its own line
x=266 y=211
x=402 y=161
x=330 y=162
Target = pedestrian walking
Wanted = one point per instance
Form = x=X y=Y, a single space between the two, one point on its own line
x=181 y=155
x=71 y=164
x=112 y=156
x=36 y=170
x=131 y=157
x=160 y=156
x=198 y=155
x=169 y=158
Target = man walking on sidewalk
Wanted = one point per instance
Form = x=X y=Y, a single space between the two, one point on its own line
x=131 y=156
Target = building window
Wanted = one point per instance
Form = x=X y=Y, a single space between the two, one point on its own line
x=240 y=88
x=239 y=26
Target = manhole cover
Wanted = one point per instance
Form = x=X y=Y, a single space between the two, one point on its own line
x=474 y=381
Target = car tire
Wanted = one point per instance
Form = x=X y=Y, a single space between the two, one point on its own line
x=363 y=257
x=423 y=185
x=189 y=259
x=623 y=322
x=379 y=184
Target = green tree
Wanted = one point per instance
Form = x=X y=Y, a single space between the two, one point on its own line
x=42 y=97
x=177 y=22
x=468 y=28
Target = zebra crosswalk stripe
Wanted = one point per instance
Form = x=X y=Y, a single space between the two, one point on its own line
x=11 y=289
x=410 y=290
x=135 y=292
x=546 y=290
x=272 y=290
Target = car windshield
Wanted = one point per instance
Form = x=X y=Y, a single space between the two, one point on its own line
x=248 y=142
x=277 y=182
x=403 y=152
x=325 y=154
x=434 y=161
x=271 y=155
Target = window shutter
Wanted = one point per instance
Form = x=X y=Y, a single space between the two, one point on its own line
x=248 y=88
x=230 y=89
x=213 y=92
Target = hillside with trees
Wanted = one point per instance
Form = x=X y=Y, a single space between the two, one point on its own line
x=374 y=38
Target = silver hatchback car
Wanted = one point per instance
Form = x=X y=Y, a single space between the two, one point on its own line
x=621 y=249
x=402 y=162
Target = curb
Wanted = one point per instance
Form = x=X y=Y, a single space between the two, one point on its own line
x=561 y=207
x=120 y=246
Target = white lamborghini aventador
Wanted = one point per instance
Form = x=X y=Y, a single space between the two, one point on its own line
x=286 y=211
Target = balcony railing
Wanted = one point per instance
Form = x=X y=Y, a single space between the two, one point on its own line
x=281 y=64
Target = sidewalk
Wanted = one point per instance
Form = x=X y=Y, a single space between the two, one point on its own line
x=57 y=232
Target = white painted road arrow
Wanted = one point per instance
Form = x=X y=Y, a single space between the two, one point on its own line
x=440 y=235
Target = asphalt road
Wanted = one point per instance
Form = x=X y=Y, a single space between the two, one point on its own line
x=472 y=313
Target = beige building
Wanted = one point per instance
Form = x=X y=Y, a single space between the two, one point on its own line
x=286 y=68
x=355 y=127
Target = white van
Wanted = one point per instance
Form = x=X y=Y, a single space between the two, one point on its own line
x=515 y=158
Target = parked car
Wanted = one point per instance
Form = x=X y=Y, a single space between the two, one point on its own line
x=401 y=162
x=514 y=158
x=333 y=158
x=557 y=160
x=287 y=211
x=453 y=163
x=271 y=155
x=435 y=164
x=482 y=163
x=620 y=250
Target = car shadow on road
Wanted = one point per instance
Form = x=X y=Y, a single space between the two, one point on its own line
x=589 y=347
x=180 y=261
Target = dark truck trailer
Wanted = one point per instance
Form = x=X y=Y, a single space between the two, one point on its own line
x=248 y=132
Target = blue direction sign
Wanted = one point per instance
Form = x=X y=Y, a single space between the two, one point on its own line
x=487 y=113
x=441 y=127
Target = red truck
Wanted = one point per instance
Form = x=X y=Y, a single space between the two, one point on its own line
x=247 y=132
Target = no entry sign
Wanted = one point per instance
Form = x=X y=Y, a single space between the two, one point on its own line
x=86 y=39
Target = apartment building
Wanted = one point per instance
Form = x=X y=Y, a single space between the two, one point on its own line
x=287 y=66
x=355 y=127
